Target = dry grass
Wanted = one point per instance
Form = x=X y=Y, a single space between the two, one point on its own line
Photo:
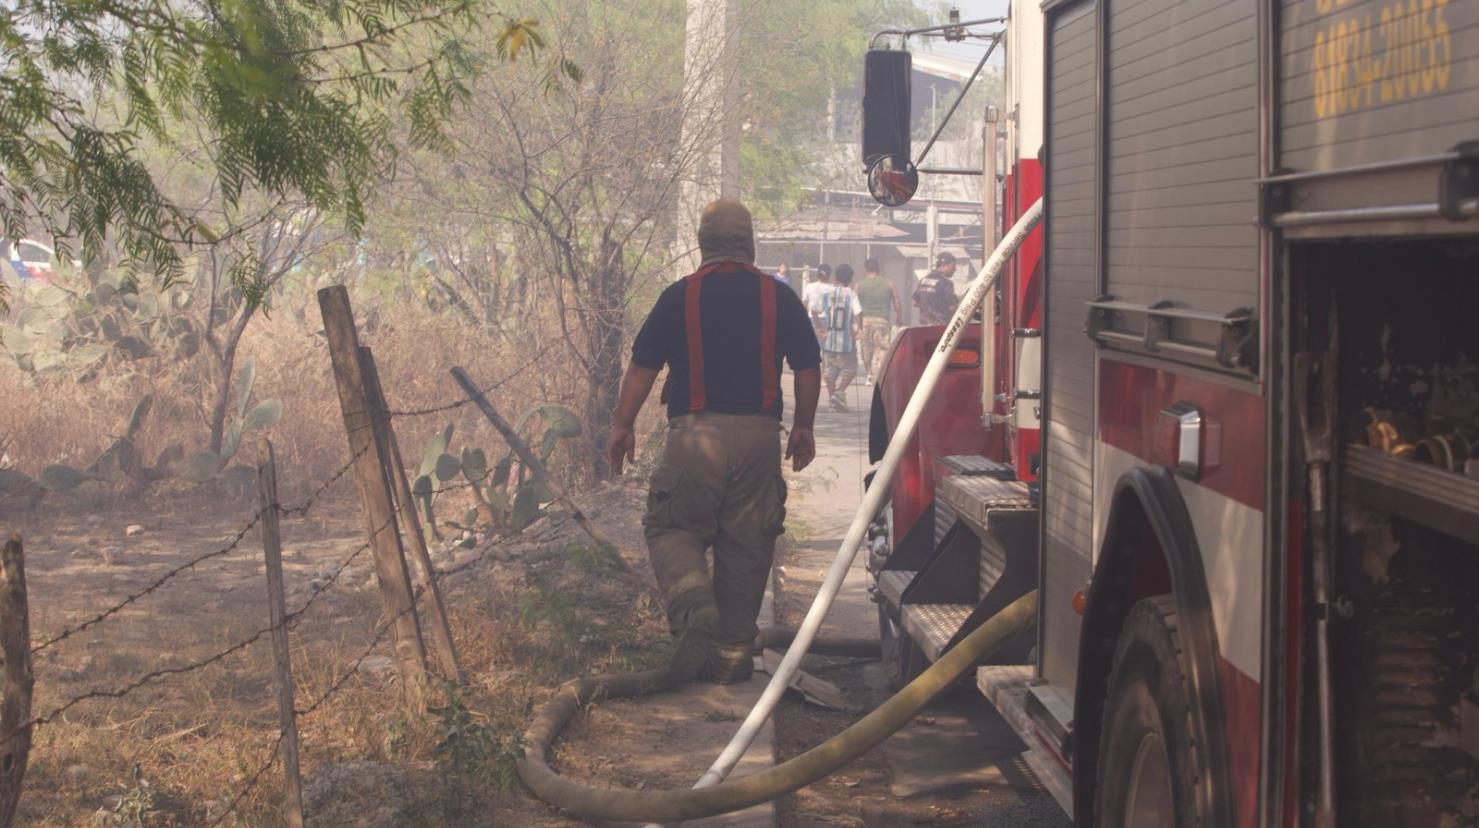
x=522 y=626
x=71 y=420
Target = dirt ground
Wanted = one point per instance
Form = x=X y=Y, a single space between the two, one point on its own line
x=527 y=613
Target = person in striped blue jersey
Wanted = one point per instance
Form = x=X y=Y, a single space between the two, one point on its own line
x=841 y=322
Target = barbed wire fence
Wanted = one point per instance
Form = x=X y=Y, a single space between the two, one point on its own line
x=373 y=462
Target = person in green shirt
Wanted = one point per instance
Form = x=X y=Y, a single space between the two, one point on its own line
x=881 y=310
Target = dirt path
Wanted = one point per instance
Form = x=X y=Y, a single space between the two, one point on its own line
x=955 y=765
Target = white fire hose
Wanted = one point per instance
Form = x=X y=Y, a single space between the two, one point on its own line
x=872 y=500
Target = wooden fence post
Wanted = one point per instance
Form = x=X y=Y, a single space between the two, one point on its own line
x=277 y=612
x=530 y=459
x=441 y=629
x=15 y=709
x=370 y=465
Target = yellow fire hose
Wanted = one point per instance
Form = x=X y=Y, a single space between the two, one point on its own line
x=733 y=795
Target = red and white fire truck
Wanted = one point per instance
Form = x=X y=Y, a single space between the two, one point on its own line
x=1226 y=417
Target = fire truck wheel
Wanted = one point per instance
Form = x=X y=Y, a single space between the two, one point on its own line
x=901 y=657
x=1147 y=762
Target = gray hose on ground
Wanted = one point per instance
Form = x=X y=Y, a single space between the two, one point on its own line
x=736 y=794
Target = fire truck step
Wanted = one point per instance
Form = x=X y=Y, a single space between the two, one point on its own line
x=892 y=583
x=975 y=464
x=975 y=499
x=932 y=626
x=1008 y=687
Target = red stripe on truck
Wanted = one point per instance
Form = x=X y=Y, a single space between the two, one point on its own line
x=1132 y=396
x=1242 y=703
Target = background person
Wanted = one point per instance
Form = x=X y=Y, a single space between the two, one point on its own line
x=783 y=274
x=719 y=485
x=811 y=296
x=841 y=315
x=881 y=311
x=935 y=296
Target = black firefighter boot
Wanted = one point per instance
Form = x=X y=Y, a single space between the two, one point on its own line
x=691 y=656
x=732 y=663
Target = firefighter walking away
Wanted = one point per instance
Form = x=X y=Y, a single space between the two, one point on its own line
x=722 y=332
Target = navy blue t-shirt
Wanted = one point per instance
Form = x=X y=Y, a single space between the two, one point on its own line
x=729 y=309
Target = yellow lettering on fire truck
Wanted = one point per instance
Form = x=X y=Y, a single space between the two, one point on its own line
x=1404 y=50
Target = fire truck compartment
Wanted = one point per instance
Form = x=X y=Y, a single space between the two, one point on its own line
x=1401 y=317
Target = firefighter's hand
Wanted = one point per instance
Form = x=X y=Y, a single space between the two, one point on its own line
x=621 y=448
x=801 y=448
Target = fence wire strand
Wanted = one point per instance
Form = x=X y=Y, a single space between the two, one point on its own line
x=152 y=587
x=291 y=620
x=460 y=402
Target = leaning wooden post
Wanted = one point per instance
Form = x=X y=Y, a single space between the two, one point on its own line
x=441 y=629
x=530 y=459
x=370 y=464
x=277 y=612
x=15 y=709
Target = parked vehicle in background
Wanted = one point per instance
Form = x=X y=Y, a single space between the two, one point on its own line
x=1248 y=338
x=29 y=259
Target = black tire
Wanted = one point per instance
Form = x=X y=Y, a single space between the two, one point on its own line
x=902 y=659
x=1148 y=762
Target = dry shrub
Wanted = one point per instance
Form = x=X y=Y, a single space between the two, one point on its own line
x=71 y=419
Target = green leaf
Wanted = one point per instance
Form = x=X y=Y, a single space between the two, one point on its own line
x=571 y=70
x=244 y=382
x=560 y=420
x=422 y=492
x=48 y=360
x=448 y=467
x=505 y=467
x=526 y=507
x=50 y=296
x=15 y=340
x=470 y=518
x=263 y=415
x=86 y=355
x=498 y=499
x=134 y=347
x=231 y=440
x=141 y=411
x=148 y=306
x=201 y=466
x=541 y=490
x=474 y=464
x=60 y=478
x=434 y=450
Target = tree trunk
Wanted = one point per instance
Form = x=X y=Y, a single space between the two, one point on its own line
x=605 y=332
x=227 y=365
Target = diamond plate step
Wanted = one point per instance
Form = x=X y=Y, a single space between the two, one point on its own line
x=974 y=497
x=973 y=464
x=893 y=582
x=933 y=625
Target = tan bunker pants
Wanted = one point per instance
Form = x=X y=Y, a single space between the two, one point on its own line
x=719 y=486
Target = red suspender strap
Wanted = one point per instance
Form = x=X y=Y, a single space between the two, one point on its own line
x=770 y=382
x=693 y=329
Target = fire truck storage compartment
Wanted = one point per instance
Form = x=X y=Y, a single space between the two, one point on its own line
x=1406 y=582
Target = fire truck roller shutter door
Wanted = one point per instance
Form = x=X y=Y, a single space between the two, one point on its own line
x=1150 y=546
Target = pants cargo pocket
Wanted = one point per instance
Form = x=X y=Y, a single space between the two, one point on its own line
x=660 y=492
x=775 y=513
